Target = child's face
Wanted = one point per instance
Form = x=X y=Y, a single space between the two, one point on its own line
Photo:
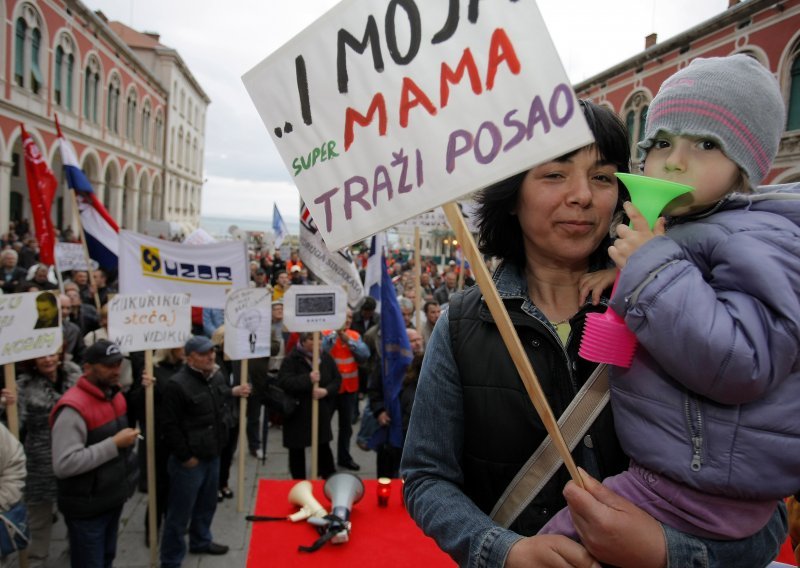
x=694 y=161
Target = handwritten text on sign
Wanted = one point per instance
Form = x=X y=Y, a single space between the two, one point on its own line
x=248 y=322
x=152 y=321
x=382 y=110
x=30 y=326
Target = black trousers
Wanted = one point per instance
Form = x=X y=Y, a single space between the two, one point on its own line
x=297 y=462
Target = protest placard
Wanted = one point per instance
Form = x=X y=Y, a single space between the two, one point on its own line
x=206 y=271
x=314 y=308
x=384 y=109
x=30 y=326
x=248 y=321
x=70 y=256
x=149 y=321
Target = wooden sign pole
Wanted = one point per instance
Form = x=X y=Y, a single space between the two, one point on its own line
x=509 y=335
x=242 y=434
x=315 y=412
x=150 y=440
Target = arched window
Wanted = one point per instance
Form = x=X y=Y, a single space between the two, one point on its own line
x=130 y=116
x=28 y=50
x=159 y=133
x=146 y=142
x=91 y=83
x=635 y=113
x=64 y=72
x=112 y=105
x=793 y=119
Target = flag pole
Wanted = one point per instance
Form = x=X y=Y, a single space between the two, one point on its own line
x=82 y=233
x=417 y=273
x=315 y=411
x=510 y=337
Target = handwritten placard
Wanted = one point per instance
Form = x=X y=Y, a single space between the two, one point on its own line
x=384 y=109
x=149 y=321
x=314 y=308
x=70 y=256
x=30 y=326
x=248 y=321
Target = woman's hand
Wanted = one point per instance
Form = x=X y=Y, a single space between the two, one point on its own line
x=314 y=377
x=549 y=551
x=242 y=391
x=629 y=239
x=7 y=398
x=147 y=379
x=318 y=393
x=614 y=530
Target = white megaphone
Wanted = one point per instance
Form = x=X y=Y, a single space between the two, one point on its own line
x=344 y=490
x=302 y=496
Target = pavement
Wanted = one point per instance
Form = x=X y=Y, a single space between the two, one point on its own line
x=229 y=526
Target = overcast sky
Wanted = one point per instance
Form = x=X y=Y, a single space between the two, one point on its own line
x=221 y=41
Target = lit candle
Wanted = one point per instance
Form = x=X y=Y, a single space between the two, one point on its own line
x=384 y=490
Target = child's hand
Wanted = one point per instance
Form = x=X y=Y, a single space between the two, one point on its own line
x=629 y=239
x=595 y=282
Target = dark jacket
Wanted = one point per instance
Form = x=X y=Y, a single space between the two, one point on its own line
x=294 y=379
x=494 y=394
x=194 y=416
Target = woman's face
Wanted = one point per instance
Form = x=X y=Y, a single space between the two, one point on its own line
x=47 y=365
x=565 y=208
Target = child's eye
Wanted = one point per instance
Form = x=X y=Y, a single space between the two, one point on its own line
x=708 y=145
x=661 y=143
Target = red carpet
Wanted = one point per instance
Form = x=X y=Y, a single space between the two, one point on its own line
x=381 y=537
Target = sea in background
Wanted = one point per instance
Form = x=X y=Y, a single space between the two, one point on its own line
x=219 y=226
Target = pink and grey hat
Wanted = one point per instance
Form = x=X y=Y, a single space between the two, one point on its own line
x=734 y=100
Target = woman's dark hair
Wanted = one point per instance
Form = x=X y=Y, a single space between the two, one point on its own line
x=499 y=232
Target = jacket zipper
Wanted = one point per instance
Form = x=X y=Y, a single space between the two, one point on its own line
x=694 y=419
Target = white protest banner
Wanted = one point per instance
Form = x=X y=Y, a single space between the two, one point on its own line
x=314 y=308
x=150 y=321
x=248 y=321
x=199 y=237
x=70 y=256
x=205 y=272
x=331 y=267
x=30 y=326
x=383 y=109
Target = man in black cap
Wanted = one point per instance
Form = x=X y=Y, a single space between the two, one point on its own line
x=93 y=457
x=195 y=432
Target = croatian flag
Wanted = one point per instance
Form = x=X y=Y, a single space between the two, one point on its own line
x=376 y=266
x=99 y=227
x=278 y=226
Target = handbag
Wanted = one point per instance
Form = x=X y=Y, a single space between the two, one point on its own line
x=280 y=401
x=14 y=531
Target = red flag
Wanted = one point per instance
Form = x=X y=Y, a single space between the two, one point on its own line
x=42 y=185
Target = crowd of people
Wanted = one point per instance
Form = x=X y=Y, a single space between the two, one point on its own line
x=81 y=410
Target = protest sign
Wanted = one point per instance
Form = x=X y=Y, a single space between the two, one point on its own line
x=335 y=268
x=206 y=272
x=384 y=109
x=314 y=308
x=70 y=256
x=30 y=326
x=248 y=321
x=150 y=321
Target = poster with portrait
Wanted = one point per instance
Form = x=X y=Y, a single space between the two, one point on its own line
x=314 y=308
x=30 y=326
x=248 y=322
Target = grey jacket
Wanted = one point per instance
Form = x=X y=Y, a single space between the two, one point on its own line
x=711 y=399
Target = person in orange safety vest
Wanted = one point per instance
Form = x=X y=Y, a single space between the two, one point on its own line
x=348 y=350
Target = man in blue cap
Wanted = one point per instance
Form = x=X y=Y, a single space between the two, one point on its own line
x=195 y=433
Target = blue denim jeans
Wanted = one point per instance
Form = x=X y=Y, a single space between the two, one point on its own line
x=192 y=503
x=93 y=541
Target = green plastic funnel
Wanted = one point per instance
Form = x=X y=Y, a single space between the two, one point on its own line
x=606 y=338
x=651 y=195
